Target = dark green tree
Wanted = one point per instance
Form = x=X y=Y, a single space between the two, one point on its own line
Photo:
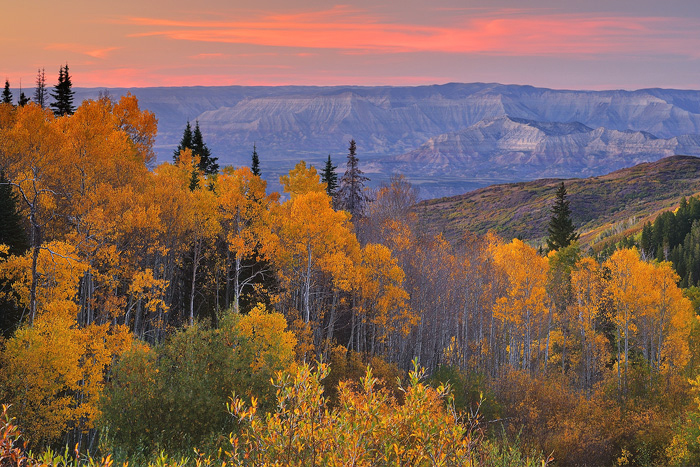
x=23 y=99
x=40 y=96
x=63 y=94
x=12 y=232
x=330 y=178
x=206 y=162
x=7 y=94
x=351 y=195
x=255 y=162
x=13 y=235
x=561 y=227
x=185 y=143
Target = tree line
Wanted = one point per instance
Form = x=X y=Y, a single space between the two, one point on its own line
x=62 y=94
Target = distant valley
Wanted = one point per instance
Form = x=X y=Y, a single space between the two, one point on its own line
x=447 y=139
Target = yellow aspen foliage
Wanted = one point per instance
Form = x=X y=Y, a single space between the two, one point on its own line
x=311 y=239
x=53 y=373
x=245 y=217
x=523 y=308
x=59 y=271
x=271 y=345
x=383 y=300
x=302 y=180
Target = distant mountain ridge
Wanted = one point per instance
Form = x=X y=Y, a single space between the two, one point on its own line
x=602 y=205
x=289 y=123
x=519 y=149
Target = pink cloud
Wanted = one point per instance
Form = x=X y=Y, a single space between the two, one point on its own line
x=510 y=32
x=82 y=49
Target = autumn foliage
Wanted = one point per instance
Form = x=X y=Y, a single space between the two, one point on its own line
x=146 y=299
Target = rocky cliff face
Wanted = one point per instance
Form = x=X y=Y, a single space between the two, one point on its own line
x=519 y=149
x=291 y=123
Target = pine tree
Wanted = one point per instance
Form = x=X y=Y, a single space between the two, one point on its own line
x=255 y=163
x=7 y=94
x=351 y=194
x=206 y=162
x=63 y=94
x=185 y=143
x=23 y=99
x=561 y=227
x=330 y=178
x=40 y=90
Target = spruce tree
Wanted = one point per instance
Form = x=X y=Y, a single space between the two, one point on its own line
x=7 y=94
x=206 y=162
x=561 y=227
x=23 y=99
x=63 y=94
x=255 y=162
x=330 y=178
x=351 y=194
x=185 y=143
x=40 y=90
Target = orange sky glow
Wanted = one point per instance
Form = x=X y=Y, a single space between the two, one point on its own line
x=628 y=45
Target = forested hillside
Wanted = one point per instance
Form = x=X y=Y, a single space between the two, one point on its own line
x=148 y=313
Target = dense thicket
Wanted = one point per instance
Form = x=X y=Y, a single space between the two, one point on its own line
x=139 y=267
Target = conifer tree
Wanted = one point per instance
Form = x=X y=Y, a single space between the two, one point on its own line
x=206 y=162
x=23 y=99
x=330 y=178
x=63 y=94
x=7 y=94
x=561 y=227
x=40 y=90
x=255 y=162
x=185 y=143
x=351 y=194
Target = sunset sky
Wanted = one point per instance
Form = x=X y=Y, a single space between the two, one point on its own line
x=586 y=44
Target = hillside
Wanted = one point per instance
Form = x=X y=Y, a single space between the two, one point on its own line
x=600 y=205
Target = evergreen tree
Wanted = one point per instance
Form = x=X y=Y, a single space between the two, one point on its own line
x=40 y=90
x=255 y=163
x=206 y=162
x=23 y=99
x=7 y=94
x=561 y=227
x=185 y=143
x=351 y=194
x=330 y=178
x=63 y=94
x=13 y=235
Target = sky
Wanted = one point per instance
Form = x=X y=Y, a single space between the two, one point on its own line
x=562 y=44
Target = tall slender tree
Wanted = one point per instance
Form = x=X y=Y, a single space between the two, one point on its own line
x=561 y=228
x=185 y=142
x=7 y=94
x=207 y=162
x=23 y=99
x=255 y=162
x=351 y=195
x=63 y=94
x=330 y=178
x=40 y=95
